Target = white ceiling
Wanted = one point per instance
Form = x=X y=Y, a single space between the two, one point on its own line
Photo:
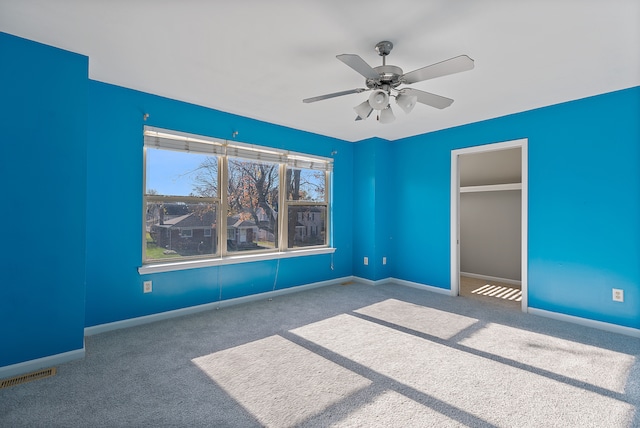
x=260 y=58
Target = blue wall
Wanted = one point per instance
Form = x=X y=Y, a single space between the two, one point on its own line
x=114 y=208
x=584 y=203
x=373 y=190
x=43 y=123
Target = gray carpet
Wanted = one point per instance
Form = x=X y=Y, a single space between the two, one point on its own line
x=342 y=356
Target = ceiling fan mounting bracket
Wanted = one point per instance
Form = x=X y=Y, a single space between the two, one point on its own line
x=384 y=48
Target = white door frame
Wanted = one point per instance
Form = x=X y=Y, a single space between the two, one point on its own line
x=455 y=211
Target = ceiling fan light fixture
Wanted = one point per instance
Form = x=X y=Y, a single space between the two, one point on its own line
x=363 y=110
x=406 y=102
x=386 y=115
x=379 y=99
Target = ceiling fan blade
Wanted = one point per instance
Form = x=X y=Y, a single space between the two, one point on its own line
x=333 y=95
x=449 y=66
x=429 y=99
x=359 y=65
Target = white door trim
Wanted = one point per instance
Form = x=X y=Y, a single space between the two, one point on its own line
x=455 y=212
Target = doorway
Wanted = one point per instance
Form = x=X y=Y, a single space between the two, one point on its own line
x=482 y=175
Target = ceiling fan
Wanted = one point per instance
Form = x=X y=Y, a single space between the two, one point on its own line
x=384 y=81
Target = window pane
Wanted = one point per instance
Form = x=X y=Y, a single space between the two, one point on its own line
x=177 y=230
x=172 y=173
x=305 y=185
x=307 y=225
x=252 y=221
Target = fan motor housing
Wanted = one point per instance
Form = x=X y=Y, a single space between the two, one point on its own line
x=389 y=75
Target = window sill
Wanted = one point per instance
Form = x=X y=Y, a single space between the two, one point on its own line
x=229 y=260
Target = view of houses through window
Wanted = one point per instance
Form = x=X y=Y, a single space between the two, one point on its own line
x=252 y=197
x=210 y=204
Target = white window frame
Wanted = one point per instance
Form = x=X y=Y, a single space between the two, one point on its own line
x=310 y=216
x=223 y=149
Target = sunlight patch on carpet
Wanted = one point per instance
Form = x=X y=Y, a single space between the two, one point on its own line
x=504 y=293
x=278 y=382
x=500 y=395
x=600 y=367
x=391 y=409
x=426 y=320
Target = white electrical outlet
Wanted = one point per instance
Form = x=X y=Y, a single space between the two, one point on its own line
x=147 y=286
x=617 y=295
x=366 y=261
x=384 y=260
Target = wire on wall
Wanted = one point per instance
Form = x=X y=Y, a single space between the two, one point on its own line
x=275 y=280
x=219 y=287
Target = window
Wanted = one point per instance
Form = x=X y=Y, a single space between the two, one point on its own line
x=306 y=207
x=181 y=201
x=267 y=200
x=252 y=200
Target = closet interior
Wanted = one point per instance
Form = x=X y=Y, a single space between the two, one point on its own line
x=490 y=226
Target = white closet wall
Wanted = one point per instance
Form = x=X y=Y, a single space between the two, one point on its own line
x=490 y=233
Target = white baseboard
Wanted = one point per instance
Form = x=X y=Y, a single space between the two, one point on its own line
x=420 y=286
x=40 y=363
x=492 y=278
x=600 y=325
x=131 y=322
x=370 y=281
